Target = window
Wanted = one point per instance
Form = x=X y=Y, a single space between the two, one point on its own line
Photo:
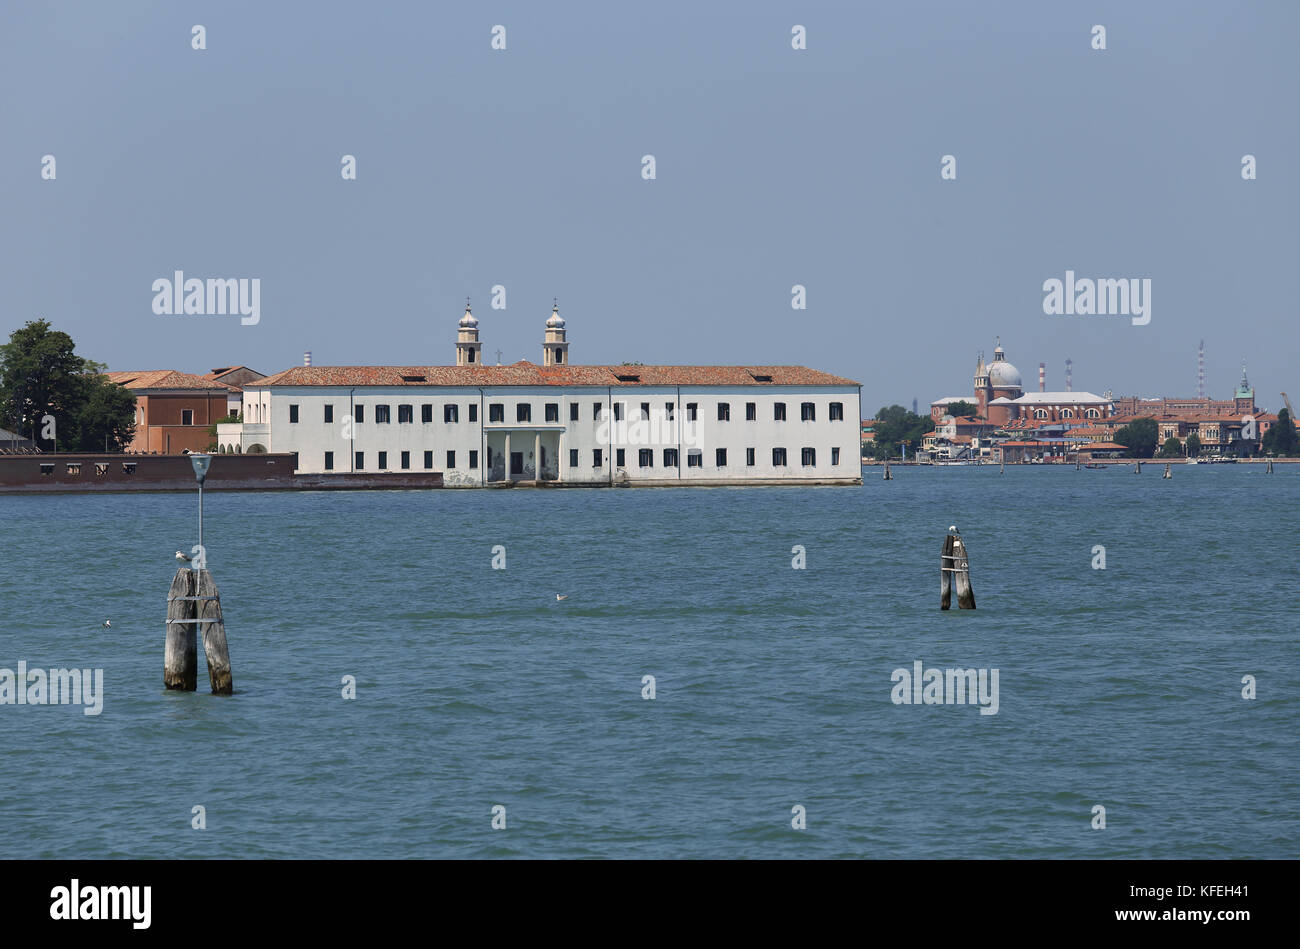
x=47 y=468
x=646 y=457
x=383 y=461
x=293 y=416
x=428 y=459
x=74 y=469
x=645 y=411
x=778 y=411
x=595 y=411
x=669 y=411
x=451 y=459
x=837 y=411
x=720 y=457
x=620 y=456
x=573 y=411
x=692 y=411
x=382 y=416
x=187 y=416
x=473 y=459
x=473 y=412
x=618 y=411
x=597 y=458
x=559 y=356
x=496 y=412
x=359 y=413
x=128 y=467
x=778 y=457
x=329 y=414
x=360 y=461
x=426 y=412
x=809 y=457
x=724 y=411
x=573 y=457
x=470 y=356
x=523 y=412
x=406 y=460
x=1093 y=413
x=1067 y=413
x=751 y=411
x=749 y=457
x=405 y=413
x=329 y=461
x=552 y=411
x=451 y=413
x=807 y=412
x=694 y=458
x=1040 y=413
x=670 y=457
x=835 y=456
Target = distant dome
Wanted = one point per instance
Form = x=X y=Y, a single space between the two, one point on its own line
x=1003 y=375
x=468 y=319
x=556 y=321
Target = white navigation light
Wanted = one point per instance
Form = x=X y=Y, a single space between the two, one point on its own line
x=200 y=463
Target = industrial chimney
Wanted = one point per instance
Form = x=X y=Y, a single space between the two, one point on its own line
x=306 y=358
x=1042 y=377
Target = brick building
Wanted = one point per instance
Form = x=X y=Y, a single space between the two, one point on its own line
x=173 y=409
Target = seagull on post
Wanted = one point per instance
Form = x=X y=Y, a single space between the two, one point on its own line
x=182 y=557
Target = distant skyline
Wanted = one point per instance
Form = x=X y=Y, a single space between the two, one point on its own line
x=774 y=167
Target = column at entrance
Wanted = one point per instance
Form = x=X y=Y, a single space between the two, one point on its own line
x=506 y=470
x=537 y=455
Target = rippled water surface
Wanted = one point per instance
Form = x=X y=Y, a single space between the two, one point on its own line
x=475 y=687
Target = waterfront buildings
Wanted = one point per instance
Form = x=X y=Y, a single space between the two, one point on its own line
x=173 y=410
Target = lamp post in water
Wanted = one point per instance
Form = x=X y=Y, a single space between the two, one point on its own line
x=200 y=463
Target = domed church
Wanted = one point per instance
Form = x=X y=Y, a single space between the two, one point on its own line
x=997 y=380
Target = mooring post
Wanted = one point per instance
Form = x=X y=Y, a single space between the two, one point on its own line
x=961 y=575
x=888 y=476
x=1168 y=473
x=1137 y=467
x=214 y=635
x=945 y=572
x=180 y=662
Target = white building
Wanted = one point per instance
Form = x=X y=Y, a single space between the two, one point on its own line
x=577 y=425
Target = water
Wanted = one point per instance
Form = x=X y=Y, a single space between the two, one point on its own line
x=1119 y=687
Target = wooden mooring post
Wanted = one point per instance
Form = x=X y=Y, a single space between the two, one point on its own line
x=1168 y=473
x=888 y=475
x=193 y=600
x=955 y=571
x=1269 y=469
x=1137 y=467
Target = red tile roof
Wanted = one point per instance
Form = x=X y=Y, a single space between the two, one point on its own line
x=163 y=379
x=524 y=373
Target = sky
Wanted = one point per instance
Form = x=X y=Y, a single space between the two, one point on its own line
x=774 y=167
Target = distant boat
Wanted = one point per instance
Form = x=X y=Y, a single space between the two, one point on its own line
x=1192 y=461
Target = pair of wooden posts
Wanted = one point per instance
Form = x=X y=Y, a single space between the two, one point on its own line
x=193 y=600
x=955 y=571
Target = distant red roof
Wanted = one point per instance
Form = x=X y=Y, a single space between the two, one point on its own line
x=524 y=373
x=163 y=379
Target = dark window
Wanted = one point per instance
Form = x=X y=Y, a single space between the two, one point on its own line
x=293 y=415
x=692 y=411
x=749 y=457
x=837 y=411
x=751 y=411
x=471 y=356
x=329 y=414
x=595 y=411
x=383 y=461
x=618 y=411
x=597 y=458
x=778 y=411
x=778 y=457
x=47 y=468
x=523 y=412
x=496 y=412
x=694 y=458
x=646 y=457
x=360 y=461
x=573 y=457
x=724 y=411
x=295 y=464
x=809 y=457
x=835 y=456
x=720 y=457
x=382 y=416
x=473 y=459
x=406 y=459
x=451 y=413
x=620 y=458
x=807 y=411
x=426 y=412
x=473 y=412
x=428 y=459
x=670 y=457
x=359 y=413
x=669 y=409
x=451 y=459
x=573 y=411
x=127 y=466
x=405 y=413
x=187 y=416
x=552 y=411
x=329 y=461
x=645 y=411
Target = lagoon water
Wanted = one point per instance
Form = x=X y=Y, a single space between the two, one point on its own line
x=475 y=687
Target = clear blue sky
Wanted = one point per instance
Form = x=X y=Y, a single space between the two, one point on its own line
x=775 y=167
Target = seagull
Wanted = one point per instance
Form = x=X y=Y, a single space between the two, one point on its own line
x=561 y=596
x=108 y=624
x=953 y=528
x=181 y=556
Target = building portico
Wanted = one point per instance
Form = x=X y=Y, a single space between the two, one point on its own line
x=513 y=452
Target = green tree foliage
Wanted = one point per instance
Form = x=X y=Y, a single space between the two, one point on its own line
x=41 y=374
x=1140 y=437
x=1173 y=448
x=962 y=409
x=895 y=425
x=1281 y=438
x=1193 y=445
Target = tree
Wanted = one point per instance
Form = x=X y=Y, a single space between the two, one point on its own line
x=962 y=409
x=1140 y=437
x=41 y=374
x=1281 y=438
x=896 y=425
x=1193 y=445
x=1173 y=447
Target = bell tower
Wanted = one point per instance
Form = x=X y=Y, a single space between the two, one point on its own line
x=555 y=346
x=468 y=347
